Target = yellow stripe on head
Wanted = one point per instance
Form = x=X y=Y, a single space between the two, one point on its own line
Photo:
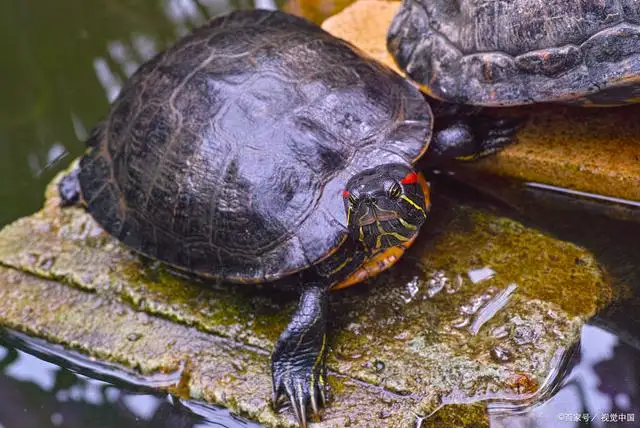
x=407 y=225
x=406 y=199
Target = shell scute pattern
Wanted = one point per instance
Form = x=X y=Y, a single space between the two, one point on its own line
x=497 y=53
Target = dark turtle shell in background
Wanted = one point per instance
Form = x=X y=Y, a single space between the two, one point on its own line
x=495 y=52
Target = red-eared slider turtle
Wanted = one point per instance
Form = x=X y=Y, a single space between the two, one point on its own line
x=259 y=147
x=496 y=52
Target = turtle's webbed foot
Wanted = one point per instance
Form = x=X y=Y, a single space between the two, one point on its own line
x=473 y=136
x=69 y=188
x=298 y=362
x=495 y=133
x=303 y=380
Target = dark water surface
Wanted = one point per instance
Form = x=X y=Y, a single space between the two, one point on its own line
x=63 y=61
x=44 y=386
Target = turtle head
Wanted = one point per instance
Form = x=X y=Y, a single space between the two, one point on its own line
x=386 y=205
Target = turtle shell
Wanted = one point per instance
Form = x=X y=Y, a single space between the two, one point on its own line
x=226 y=155
x=496 y=52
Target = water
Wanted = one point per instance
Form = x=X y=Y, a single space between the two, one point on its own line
x=70 y=391
x=62 y=63
x=600 y=389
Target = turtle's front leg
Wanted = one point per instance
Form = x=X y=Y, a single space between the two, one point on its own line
x=467 y=133
x=298 y=361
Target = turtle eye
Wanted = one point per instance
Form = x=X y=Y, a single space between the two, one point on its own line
x=395 y=191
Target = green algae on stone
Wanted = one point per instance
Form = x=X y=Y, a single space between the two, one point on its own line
x=459 y=415
x=401 y=346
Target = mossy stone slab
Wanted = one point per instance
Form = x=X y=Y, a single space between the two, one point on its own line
x=481 y=306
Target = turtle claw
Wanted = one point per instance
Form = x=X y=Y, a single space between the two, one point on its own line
x=303 y=384
x=301 y=413
x=314 y=403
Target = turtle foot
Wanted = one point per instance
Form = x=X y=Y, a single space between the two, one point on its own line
x=469 y=133
x=495 y=133
x=298 y=364
x=303 y=380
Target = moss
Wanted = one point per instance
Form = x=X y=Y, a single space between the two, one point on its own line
x=458 y=416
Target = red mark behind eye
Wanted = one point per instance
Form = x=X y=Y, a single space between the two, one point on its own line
x=410 y=178
x=345 y=194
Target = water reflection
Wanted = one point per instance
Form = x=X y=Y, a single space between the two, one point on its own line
x=37 y=393
x=482 y=274
x=108 y=79
x=601 y=389
x=491 y=308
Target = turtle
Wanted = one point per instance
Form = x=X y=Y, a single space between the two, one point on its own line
x=259 y=148
x=516 y=52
